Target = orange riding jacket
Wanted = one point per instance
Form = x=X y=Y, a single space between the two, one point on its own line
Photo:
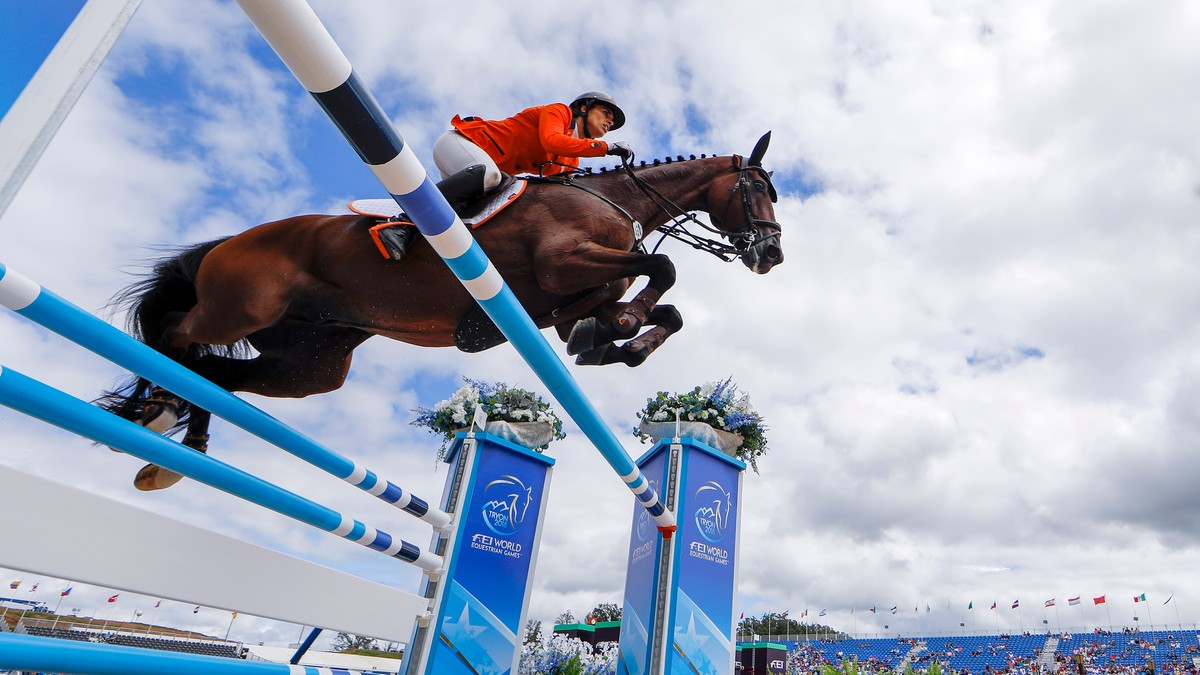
x=534 y=140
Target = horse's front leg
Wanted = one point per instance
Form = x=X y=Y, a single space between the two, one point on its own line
x=592 y=265
x=666 y=321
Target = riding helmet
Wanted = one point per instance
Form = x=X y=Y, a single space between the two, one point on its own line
x=591 y=98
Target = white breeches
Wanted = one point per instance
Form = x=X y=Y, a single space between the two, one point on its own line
x=453 y=152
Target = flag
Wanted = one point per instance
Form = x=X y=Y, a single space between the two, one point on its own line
x=804 y=614
x=14 y=584
x=927 y=609
x=1098 y=601
x=743 y=616
x=1073 y=601
x=786 y=611
x=65 y=593
x=113 y=598
x=1168 y=598
x=1016 y=604
x=993 y=604
x=235 y=615
x=1139 y=598
x=872 y=610
x=893 y=609
x=822 y=613
x=851 y=610
x=36 y=585
x=157 y=604
x=197 y=610
x=137 y=612
x=970 y=605
x=1050 y=602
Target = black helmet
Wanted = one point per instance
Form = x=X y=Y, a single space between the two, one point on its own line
x=591 y=98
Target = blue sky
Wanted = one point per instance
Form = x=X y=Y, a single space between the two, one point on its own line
x=979 y=360
x=27 y=34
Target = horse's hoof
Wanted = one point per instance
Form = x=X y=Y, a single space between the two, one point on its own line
x=636 y=353
x=593 y=357
x=583 y=336
x=159 y=417
x=153 y=477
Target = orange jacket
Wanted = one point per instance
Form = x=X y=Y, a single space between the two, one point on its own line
x=531 y=140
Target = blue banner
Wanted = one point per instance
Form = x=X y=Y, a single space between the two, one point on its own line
x=702 y=621
x=637 y=613
x=479 y=623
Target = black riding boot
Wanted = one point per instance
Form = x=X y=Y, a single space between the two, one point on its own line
x=459 y=189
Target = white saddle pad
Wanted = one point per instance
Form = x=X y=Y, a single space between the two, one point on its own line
x=388 y=208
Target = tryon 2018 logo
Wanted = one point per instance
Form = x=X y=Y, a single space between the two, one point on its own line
x=712 y=513
x=508 y=501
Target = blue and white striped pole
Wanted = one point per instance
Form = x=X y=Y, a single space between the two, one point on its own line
x=28 y=653
x=309 y=51
x=27 y=395
x=30 y=300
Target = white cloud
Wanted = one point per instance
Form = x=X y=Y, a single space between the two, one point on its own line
x=994 y=179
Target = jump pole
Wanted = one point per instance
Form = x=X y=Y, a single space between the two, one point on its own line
x=309 y=51
x=41 y=401
x=42 y=306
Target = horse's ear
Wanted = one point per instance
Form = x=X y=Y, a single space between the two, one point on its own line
x=760 y=149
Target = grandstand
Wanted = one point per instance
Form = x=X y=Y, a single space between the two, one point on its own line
x=206 y=648
x=1171 y=652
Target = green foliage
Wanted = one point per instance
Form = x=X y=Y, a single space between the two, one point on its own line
x=606 y=611
x=776 y=624
x=564 y=618
x=346 y=642
x=533 y=632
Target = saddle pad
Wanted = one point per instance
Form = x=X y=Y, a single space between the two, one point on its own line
x=388 y=208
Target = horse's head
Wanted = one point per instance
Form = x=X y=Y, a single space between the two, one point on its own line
x=740 y=206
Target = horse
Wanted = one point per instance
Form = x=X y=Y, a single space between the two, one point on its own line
x=305 y=291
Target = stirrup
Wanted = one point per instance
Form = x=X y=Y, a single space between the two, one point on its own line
x=396 y=239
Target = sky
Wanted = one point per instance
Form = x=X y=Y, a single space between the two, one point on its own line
x=979 y=362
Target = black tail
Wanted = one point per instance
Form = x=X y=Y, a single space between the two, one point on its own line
x=154 y=305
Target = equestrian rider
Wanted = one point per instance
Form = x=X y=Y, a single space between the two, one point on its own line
x=475 y=154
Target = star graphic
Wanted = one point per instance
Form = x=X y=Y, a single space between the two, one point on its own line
x=462 y=628
x=689 y=640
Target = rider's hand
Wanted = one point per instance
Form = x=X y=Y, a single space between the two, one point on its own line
x=620 y=149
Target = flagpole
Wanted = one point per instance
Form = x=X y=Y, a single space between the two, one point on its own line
x=1082 y=621
x=1149 y=615
x=1109 y=613
x=1057 y=618
x=61 y=596
x=231 y=618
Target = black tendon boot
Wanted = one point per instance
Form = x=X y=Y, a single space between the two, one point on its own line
x=459 y=189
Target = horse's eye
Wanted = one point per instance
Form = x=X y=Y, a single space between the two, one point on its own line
x=760 y=186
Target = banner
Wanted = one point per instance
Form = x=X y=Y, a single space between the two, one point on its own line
x=641 y=572
x=487 y=586
x=706 y=570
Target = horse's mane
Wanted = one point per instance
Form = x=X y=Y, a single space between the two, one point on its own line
x=643 y=164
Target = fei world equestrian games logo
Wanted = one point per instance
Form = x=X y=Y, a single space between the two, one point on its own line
x=712 y=516
x=508 y=502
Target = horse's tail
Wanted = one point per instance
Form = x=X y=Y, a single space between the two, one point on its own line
x=155 y=304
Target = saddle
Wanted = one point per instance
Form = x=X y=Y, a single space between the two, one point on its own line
x=473 y=213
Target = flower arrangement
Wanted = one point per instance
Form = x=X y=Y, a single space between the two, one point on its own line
x=568 y=656
x=718 y=404
x=499 y=402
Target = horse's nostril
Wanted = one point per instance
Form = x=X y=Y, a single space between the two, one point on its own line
x=774 y=253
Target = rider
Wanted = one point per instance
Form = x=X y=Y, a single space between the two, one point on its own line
x=473 y=156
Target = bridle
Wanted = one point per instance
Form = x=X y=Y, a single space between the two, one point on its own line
x=677 y=228
x=740 y=240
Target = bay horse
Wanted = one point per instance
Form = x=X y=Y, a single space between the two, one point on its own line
x=304 y=292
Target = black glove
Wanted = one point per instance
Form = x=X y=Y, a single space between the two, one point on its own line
x=620 y=149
